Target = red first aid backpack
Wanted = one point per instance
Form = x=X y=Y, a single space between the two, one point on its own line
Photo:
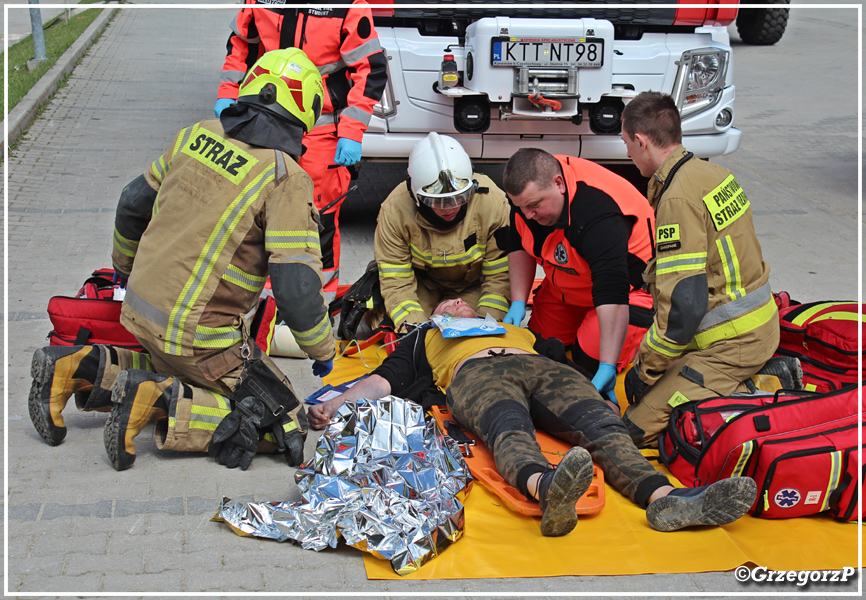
x=92 y=316
x=824 y=336
x=801 y=449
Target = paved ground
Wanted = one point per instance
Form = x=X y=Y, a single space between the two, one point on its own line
x=75 y=525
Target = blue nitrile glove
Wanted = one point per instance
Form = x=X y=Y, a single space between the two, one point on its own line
x=119 y=279
x=605 y=380
x=322 y=368
x=348 y=152
x=221 y=105
x=515 y=313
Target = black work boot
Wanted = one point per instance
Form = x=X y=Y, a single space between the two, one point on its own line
x=787 y=369
x=560 y=489
x=139 y=397
x=720 y=503
x=58 y=372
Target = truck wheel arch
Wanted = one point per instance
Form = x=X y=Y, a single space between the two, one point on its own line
x=763 y=26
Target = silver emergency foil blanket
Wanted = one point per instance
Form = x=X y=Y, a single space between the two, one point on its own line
x=381 y=478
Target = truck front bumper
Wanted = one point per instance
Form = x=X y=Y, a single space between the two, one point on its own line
x=500 y=147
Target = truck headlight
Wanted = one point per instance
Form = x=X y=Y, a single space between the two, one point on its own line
x=700 y=80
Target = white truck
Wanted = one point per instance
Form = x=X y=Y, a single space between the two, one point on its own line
x=505 y=77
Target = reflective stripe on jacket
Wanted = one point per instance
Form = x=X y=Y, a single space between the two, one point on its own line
x=223 y=212
x=341 y=42
x=553 y=247
x=708 y=280
x=408 y=248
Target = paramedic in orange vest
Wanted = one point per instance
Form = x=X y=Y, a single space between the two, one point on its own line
x=590 y=230
x=343 y=44
x=716 y=322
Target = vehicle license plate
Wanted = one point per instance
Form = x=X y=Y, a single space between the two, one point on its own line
x=547 y=52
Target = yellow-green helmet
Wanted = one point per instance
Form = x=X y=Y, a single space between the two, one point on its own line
x=287 y=83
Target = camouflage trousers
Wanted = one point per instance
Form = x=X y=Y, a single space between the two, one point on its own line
x=502 y=399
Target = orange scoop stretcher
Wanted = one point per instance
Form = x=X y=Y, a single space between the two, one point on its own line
x=480 y=461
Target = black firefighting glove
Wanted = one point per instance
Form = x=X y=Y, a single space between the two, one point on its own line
x=634 y=386
x=236 y=438
x=289 y=433
x=281 y=417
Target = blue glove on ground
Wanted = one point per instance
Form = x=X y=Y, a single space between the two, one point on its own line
x=605 y=381
x=348 y=152
x=322 y=368
x=221 y=105
x=515 y=313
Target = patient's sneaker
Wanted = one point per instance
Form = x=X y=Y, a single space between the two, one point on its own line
x=560 y=489
x=717 y=504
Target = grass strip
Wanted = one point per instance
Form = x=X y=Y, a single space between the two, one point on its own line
x=60 y=34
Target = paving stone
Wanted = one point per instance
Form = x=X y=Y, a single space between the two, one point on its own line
x=233 y=581
x=80 y=564
x=90 y=582
x=51 y=545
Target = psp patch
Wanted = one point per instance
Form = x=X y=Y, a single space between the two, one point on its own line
x=668 y=237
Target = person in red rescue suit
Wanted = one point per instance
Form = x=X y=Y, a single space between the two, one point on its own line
x=591 y=231
x=197 y=236
x=343 y=44
x=716 y=323
x=438 y=237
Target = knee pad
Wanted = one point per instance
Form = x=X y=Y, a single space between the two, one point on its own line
x=594 y=419
x=503 y=416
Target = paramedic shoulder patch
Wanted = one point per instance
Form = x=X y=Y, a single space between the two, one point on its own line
x=220 y=155
x=668 y=237
x=726 y=203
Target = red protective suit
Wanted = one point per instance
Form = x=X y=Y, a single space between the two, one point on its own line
x=343 y=43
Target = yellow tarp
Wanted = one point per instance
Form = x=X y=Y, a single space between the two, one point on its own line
x=618 y=541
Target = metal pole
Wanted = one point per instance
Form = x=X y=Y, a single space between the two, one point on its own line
x=38 y=35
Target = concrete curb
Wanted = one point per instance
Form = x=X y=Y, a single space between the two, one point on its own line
x=25 y=111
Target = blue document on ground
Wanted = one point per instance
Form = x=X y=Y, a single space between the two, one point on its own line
x=332 y=391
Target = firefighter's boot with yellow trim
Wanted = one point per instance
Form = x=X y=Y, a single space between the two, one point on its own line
x=139 y=397
x=58 y=372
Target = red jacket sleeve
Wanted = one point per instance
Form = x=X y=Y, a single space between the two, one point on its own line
x=367 y=68
x=242 y=50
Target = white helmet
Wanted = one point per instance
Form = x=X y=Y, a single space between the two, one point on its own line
x=440 y=172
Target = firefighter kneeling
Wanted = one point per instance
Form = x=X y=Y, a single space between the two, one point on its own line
x=197 y=241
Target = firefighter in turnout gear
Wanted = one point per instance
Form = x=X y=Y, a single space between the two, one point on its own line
x=343 y=44
x=439 y=237
x=716 y=322
x=197 y=236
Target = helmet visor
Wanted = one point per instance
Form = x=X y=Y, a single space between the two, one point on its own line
x=448 y=200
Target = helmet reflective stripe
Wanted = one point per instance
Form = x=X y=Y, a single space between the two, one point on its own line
x=287 y=83
x=440 y=172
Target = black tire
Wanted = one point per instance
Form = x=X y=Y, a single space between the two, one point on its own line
x=763 y=26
